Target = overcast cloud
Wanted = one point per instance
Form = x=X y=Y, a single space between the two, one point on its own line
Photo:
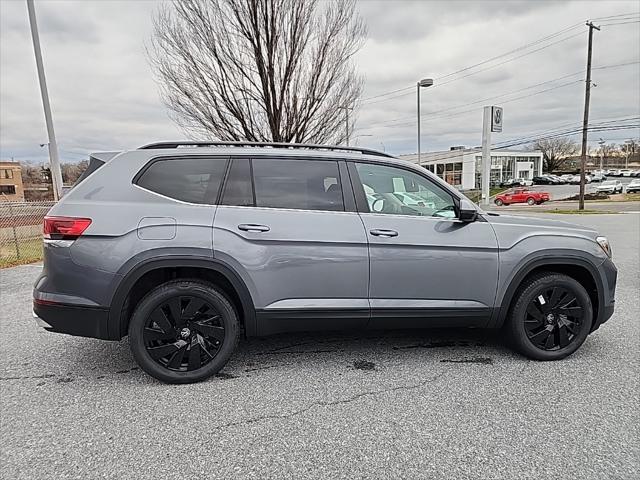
x=104 y=97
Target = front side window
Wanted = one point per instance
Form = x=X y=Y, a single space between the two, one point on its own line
x=397 y=191
x=194 y=180
x=298 y=184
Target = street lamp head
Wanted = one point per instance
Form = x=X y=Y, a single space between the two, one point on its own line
x=425 y=82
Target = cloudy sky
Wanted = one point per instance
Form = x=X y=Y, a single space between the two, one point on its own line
x=104 y=97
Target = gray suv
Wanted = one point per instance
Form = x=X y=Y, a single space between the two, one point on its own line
x=186 y=246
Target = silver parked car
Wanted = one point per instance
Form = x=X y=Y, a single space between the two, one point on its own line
x=610 y=186
x=185 y=247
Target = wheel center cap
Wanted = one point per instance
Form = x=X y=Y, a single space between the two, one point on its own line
x=550 y=318
x=185 y=333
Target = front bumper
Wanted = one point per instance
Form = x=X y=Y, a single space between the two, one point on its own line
x=72 y=319
x=609 y=272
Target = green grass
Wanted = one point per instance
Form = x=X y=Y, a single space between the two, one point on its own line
x=578 y=212
x=27 y=251
x=476 y=195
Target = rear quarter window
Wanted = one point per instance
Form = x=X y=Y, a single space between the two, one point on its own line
x=193 y=180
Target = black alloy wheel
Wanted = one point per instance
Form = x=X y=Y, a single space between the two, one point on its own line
x=183 y=333
x=553 y=318
x=550 y=317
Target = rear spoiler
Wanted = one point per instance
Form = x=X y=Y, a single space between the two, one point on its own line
x=96 y=160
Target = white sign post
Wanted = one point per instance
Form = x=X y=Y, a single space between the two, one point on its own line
x=491 y=122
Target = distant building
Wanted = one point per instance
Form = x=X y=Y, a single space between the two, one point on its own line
x=11 y=187
x=461 y=167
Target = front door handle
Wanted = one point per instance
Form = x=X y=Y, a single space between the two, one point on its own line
x=252 y=227
x=383 y=232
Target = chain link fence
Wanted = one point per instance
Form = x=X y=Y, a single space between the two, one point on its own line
x=21 y=231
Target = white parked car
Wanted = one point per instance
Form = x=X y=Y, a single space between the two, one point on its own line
x=623 y=172
x=634 y=186
x=575 y=179
x=610 y=186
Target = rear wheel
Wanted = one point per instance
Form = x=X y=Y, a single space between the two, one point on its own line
x=531 y=201
x=183 y=331
x=550 y=317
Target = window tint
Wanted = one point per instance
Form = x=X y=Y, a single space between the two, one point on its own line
x=401 y=192
x=195 y=180
x=299 y=184
x=238 y=189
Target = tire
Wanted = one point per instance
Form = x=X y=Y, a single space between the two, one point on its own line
x=529 y=320
x=193 y=322
x=531 y=201
x=499 y=202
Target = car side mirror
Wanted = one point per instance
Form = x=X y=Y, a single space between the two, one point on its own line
x=467 y=211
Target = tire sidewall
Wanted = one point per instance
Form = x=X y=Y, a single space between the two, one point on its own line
x=164 y=292
x=516 y=327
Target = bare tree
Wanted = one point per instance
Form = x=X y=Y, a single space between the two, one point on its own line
x=556 y=151
x=72 y=171
x=259 y=70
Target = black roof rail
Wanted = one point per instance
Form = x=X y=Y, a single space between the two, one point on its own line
x=302 y=146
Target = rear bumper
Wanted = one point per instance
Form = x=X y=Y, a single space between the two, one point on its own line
x=72 y=319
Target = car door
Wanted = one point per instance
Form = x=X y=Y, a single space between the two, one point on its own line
x=508 y=196
x=426 y=266
x=518 y=197
x=289 y=228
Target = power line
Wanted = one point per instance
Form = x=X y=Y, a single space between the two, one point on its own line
x=440 y=113
x=559 y=131
x=523 y=47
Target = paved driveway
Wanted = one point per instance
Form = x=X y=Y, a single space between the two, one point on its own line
x=435 y=404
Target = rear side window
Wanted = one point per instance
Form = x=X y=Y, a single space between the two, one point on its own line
x=298 y=184
x=194 y=180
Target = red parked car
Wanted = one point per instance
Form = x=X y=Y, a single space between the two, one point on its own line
x=521 y=195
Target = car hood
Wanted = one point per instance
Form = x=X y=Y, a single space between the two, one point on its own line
x=542 y=224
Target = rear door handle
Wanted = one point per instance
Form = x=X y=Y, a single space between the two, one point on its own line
x=382 y=232
x=252 y=227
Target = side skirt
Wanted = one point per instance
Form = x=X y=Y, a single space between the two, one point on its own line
x=272 y=321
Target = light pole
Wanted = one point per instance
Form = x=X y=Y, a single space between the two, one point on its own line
x=56 y=175
x=361 y=135
x=425 y=82
x=601 y=143
x=631 y=145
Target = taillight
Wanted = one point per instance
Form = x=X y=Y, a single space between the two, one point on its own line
x=64 y=228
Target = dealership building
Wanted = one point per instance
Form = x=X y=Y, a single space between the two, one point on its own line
x=461 y=167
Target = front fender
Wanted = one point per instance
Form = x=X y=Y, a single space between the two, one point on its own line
x=514 y=270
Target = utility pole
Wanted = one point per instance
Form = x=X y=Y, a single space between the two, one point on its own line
x=585 y=121
x=56 y=174
x=602 y=143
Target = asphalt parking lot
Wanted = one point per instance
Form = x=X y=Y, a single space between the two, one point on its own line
x=431 y=404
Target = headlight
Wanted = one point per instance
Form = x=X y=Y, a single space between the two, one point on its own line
x=604 y=243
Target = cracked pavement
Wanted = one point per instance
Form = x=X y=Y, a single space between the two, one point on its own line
x=400 y=404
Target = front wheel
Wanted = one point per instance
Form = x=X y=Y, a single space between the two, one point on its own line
x=499 y=202
x=183 y=331
x=550 y=317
